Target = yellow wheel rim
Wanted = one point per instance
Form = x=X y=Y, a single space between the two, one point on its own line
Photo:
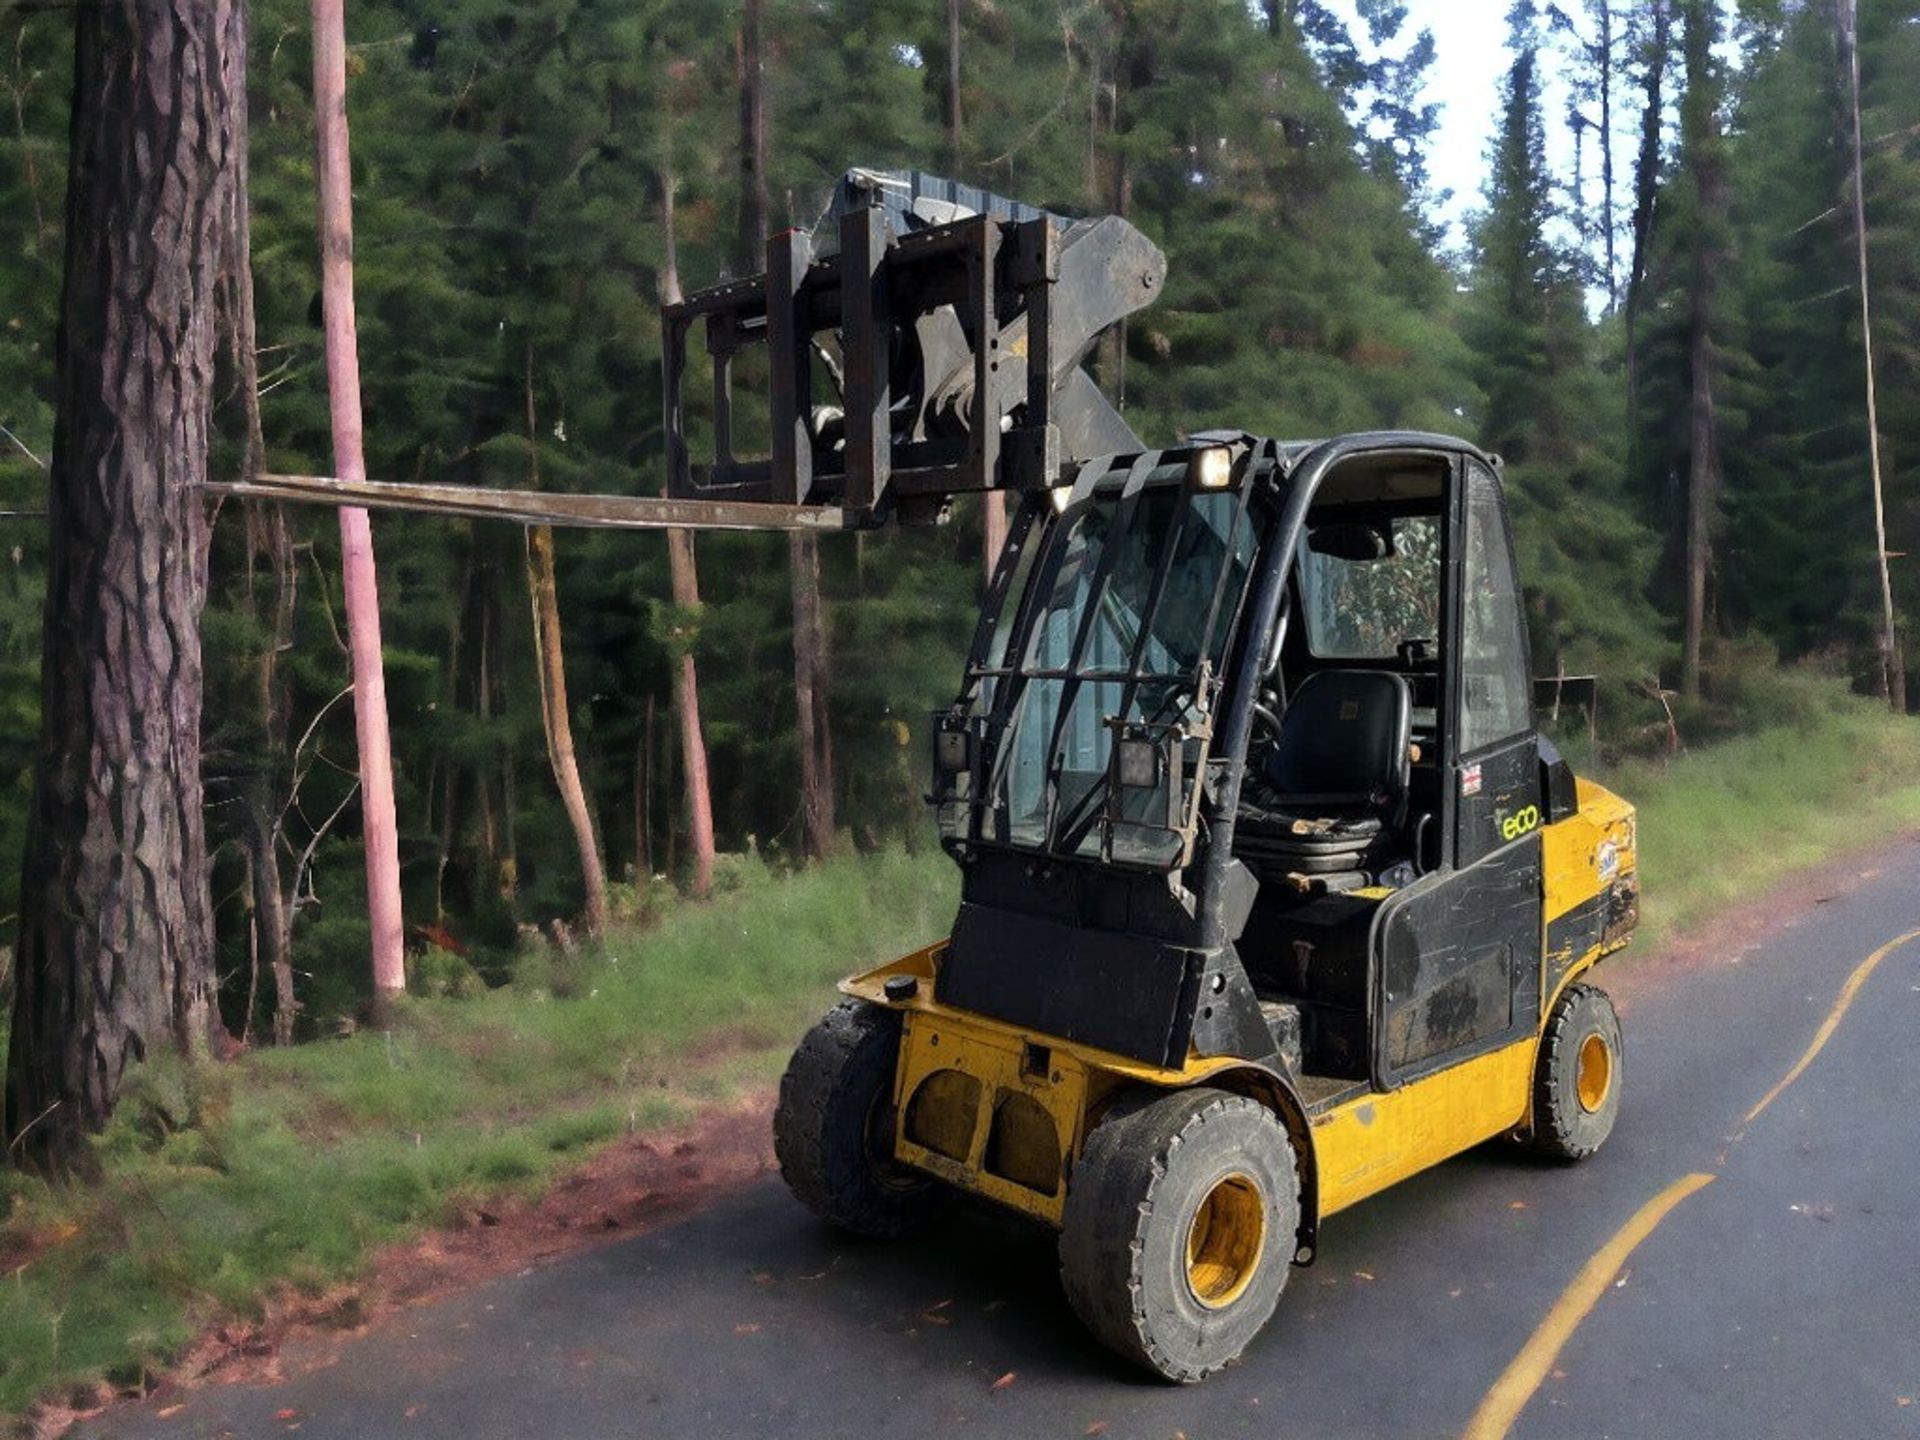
x=1225 y=1241
x=1595 y=1077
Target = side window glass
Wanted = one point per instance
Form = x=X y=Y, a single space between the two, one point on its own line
x=1496 y=694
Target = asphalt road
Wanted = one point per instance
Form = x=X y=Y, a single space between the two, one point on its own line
x=1781 y=1299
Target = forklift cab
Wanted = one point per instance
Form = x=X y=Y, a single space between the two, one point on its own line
x=1398 y=919
x=1252 y=722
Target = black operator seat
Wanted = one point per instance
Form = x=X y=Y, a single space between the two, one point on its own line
x=1330 y=794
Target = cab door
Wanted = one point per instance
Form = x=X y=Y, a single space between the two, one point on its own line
x=1459 y=950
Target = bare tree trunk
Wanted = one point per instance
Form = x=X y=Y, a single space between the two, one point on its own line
x=993 y=504
x=115 y=951
x=483 y=711
x=685 y=579
x=810 y=672
x=686 y=686
x=753 y=137
x=379 y=825
x=273 y=914
x=952 y=94
x=268 y=538
x=18 y=88
x=1893 y=667
x=1606 y=57
x=643 y=799
x=993 y=524
x=1646 y=187
x=1704 y=158
x=550 y=659
x=550 y=664
x=810 y=659
x=1703 y=486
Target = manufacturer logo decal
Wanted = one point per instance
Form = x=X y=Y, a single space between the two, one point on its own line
x=1520 y=822
x=1607 y=860
x=1470 y=780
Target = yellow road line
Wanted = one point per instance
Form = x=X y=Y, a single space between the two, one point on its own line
x=1517 y=1383
x=1847 y=992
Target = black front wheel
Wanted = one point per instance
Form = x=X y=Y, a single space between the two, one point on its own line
x=833 y=1127
x=1180 y=1228
x=1576 y=1085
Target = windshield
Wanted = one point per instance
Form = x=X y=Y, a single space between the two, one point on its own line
x=1366 y=609
x=1125 y=616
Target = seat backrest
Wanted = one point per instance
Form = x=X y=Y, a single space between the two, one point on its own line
x=1344 y=740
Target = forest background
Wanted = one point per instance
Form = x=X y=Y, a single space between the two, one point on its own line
x=1663 y=341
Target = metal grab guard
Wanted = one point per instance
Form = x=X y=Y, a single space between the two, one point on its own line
x=959 y=352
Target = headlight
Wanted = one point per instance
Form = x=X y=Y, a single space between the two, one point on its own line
x=1212 y=468
x=952 y=752
x=1138 y=764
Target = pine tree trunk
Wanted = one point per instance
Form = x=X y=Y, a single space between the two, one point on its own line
x=686 y=687
x=951 y=97
x=1702 y=147
x=379 y=822
x=643 y=799
x=753 y=137
x=1893 y=667
x=993 y=525
x=810 y=658
x=550 y=658
x=268 y=540
x=685 y=580
x=272 y=916
x=115 y=954
x=993 y=504
x=1702 y=484
x=1646 y=190
x=1606 y=152
x=550 y=663
x=811 y=669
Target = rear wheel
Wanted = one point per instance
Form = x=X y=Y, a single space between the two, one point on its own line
x=1576 y=1087
x=1180 y=1227
x=833 y=1127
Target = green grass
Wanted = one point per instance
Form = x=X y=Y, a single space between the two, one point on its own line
x=1720 y=825
x=287 y=1168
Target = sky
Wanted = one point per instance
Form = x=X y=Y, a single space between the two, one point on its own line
x=1469 y=58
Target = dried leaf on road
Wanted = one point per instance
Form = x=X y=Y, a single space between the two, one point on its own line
x=1005 y=1380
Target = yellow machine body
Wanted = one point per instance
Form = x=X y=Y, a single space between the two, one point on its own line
x=1002 y=1113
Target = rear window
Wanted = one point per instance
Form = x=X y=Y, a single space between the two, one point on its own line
x=1365 y=609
